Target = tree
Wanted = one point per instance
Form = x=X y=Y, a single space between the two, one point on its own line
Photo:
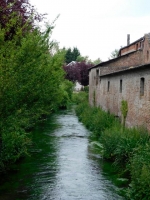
x=84 y=73
x=32 y=85
x=17 y=13
x=114 y=54
x=87 y=60
x=83 y=58
x=75 y=53
x=78 y=71
x=68 y=56
x=97 y=61
x=71 y=55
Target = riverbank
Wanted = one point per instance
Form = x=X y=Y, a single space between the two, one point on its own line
x=63 y=165
x=127 y=148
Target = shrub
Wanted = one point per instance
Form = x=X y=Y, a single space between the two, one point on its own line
x=110 y=139
x=140 y=173
x=80 y=97
x=129 y=140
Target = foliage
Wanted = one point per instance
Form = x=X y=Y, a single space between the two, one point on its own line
x=128 y=148
x=140 y=173
x=67 y=88
x=114 y=54
x=98 y=120
x=78 y=71
x=86 y=89
x=80 y=97
x=71 y=55
x=19 y=13
x=123 y=144
x=87 y=60
x=76 y=66
x=124 y=110
x=94 y=98
x=32 y=85
x=97 y=61
x=82 y=58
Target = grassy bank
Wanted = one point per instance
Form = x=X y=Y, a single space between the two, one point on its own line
x=128 y=149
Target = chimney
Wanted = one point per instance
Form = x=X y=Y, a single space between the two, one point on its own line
x=128 y=39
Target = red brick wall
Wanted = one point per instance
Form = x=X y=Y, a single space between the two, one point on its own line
x=133 y=47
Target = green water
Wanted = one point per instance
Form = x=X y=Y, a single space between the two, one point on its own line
x=63 y=165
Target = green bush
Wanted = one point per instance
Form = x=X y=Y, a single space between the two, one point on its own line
x=80 y=97
x=67 y=89
x=129 y=140
x=110 y=139
x=140 y=173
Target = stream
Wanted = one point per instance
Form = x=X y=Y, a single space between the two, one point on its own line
x=62 y=165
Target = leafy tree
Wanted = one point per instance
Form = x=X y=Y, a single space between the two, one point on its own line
x=97 y=61
x=114 y=54
x=83 y=58
x=87 y=60
x=17 y=13
x=75 y=53
x=68 y=56
x=32 y=84
x=71 y=55
x=78 y=71
x=84 y=73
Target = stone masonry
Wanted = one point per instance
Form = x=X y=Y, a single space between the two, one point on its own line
x=126 y=77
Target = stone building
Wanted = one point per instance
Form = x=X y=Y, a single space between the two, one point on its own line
x=126 y=77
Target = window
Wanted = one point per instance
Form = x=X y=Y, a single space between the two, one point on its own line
x=97 y=76
x=120 y=86
x=147 y=55
x=137 y=46
x=142 y=83
x=108 y=87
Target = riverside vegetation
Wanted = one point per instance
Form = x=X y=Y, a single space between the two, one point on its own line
x=127 y=148
x=32 y=85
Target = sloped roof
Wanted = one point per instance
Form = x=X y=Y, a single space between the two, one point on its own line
x=126 y=70
x=108 y=61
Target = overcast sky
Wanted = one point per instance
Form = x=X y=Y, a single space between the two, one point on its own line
x=96 y=27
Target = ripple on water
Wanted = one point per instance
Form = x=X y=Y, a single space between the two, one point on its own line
x=62 y=167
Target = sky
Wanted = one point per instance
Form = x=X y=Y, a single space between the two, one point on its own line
x=96 y=27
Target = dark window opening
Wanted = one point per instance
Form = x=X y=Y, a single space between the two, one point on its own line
x=108 y=87
x=147 y=55
x=120 y=86
x=142 y=83
x=97 y=76
x=137 y=46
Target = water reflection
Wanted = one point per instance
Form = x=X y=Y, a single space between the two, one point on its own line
x=61 y=167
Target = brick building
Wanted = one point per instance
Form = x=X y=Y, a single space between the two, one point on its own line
x=126 y=77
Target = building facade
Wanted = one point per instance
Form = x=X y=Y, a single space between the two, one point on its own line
x=126 y=77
